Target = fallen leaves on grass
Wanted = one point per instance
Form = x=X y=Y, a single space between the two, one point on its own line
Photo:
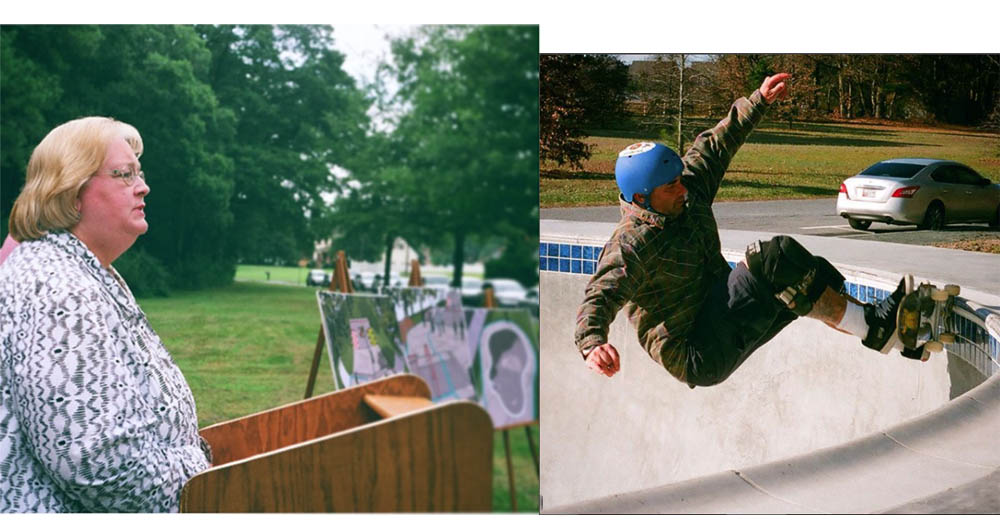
x=982 y=245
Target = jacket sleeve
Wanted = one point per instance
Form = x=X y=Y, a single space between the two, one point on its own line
x=618 y=274
x=708 y=158
x=90 y=427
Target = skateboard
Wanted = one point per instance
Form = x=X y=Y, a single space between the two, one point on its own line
x=924 y=319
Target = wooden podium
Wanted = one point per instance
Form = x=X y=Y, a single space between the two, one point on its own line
x=378 y=447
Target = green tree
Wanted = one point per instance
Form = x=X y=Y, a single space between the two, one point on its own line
x=33 y=62
x=242 y=126
x=298 y=116
x=577 y=91
x=151 y=77
x=464 y=145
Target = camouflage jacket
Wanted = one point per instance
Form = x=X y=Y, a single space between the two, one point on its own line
x=659 y=267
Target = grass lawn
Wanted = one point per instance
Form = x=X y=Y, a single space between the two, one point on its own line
x=262 y=273
x=297 y=275
x=808 y=160
x=248 y=347
x=525 y=478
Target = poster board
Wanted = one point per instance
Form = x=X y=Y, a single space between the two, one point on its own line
x=505 y=370
x=485 y=355
x=362 y=337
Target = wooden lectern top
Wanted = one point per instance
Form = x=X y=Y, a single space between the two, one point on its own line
x=392 y=405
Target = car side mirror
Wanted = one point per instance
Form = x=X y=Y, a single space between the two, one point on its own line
x=983 y=182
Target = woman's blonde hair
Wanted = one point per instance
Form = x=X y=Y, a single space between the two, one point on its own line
x=59 y=167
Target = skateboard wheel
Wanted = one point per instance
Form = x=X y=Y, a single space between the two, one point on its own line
x=938 y=295
x=947 y=337
x=933 y=346
x=952 y=289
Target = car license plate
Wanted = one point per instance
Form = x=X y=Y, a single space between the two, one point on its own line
x=867 y=193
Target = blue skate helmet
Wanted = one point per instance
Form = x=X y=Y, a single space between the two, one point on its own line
x=644 y=166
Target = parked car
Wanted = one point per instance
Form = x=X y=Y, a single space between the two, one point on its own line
x=930 y=193
x=364 y=281
x=531 y=301
x=394 y=281
x=437 y=281
x=472 y=291
x=318 y=277
x=507 y=292
x=531 y=298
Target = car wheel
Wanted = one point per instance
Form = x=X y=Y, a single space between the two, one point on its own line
x=934 y=218
x=859 y=224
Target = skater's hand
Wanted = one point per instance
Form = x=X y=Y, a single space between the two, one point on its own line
x=604 y=360
x=774 y=87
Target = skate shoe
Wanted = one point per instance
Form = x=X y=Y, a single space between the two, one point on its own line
x=881 y=319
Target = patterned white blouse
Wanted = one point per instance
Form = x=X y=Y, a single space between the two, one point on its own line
x=94 y=414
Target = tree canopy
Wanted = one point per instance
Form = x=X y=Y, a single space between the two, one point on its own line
x=577 y=91
x=960 y=89
x=250 y=131
x=462 y=158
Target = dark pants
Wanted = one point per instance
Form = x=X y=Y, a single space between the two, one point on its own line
x=739 y=315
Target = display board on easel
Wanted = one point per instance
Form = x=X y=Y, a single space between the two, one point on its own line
x=484 y=354
x=480 y=354
x=340 y=282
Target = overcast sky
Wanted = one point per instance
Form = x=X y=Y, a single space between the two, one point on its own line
x=364 y=47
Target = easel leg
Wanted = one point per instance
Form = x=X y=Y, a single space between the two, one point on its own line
x=317 y=354
x=531 y=446
x=510 y=471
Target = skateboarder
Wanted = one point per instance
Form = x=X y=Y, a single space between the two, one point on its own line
x=693 y=314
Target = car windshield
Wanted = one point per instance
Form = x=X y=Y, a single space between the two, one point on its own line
x=893 y=169
x=472 y=284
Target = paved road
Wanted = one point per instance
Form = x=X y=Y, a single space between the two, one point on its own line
x=803 y=217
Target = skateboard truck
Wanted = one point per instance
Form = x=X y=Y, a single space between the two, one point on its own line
x=924 y=319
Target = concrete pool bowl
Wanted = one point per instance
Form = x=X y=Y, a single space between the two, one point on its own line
x=813 y=422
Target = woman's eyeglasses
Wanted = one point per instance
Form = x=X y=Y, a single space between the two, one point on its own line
x=128 y=175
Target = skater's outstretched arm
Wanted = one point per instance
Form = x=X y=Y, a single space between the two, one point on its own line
x=709 y=157
x=614 y=283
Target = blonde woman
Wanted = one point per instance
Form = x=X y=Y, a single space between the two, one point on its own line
x=94 y=414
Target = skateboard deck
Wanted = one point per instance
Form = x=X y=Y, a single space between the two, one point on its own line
x=923 y=321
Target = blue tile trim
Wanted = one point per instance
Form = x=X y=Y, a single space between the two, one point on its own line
x=568 y=258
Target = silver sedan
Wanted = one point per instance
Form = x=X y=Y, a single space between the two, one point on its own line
x=930 y=193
